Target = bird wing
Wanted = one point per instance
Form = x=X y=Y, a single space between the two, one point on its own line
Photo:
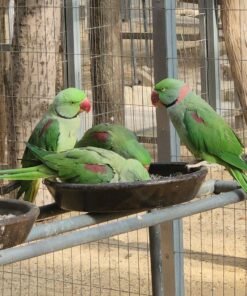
x=83 y=165
x=209 y=134
x=46 y=136
x=95 y=137
x=116 y=138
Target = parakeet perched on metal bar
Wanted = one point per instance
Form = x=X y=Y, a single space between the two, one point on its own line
x=200 y=128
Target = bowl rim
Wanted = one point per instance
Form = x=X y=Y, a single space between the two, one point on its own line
x=33 y=211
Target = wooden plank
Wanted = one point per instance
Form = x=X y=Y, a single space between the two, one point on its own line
x=149 y=36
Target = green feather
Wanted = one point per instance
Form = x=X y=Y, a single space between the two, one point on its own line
x=240 y=177
x=30 y=173
x=29 y=189
x=89 y=165
x=116 y=138
x=71 y=166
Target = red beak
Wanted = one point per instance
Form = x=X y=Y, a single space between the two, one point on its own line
x=155 y=98
x=85 y=105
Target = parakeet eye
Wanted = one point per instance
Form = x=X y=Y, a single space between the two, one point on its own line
x=163 y=89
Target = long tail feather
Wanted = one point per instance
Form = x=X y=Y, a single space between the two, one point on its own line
x=25 y=176
x=31 y=173
x=240 y=177
x=20 y=170
x=30 y=190
x=29 y=179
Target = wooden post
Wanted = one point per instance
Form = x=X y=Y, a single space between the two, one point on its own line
x=31 y=75
x=3 y=64
x=106 y=68
x=234 y=15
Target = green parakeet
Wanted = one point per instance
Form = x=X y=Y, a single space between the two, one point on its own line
x=56 y=131
x=90 y=165
x=200 y=128
x=118 y=139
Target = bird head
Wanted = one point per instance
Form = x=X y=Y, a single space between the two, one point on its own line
x=70 y=102
x=137 y=151
x=168 y=92
x=133 y=170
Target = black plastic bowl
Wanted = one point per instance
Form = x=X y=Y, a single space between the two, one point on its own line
x=181 y=185
x=14 y=230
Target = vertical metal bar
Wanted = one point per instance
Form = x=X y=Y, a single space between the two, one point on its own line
x=73 y=73
x=172 y=255
x=165 y=65
x=213 y=54
x=145 y=27
x=73 y=47
x=124 y=10
x=203 y=49
x=156 y=260
x=132 y=45
x=169 y=242
x=11 y=12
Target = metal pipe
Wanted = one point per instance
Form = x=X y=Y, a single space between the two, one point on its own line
x=73 y=45
x=225 y=186
x=69 y=224
x=213 y=69
x=156 y=260
x=73 y=223
x=75 y=238
x=216 y=187
x=166 y=65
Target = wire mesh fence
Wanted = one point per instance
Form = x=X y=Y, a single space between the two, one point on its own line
x=106 y=48
x=214 y=242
